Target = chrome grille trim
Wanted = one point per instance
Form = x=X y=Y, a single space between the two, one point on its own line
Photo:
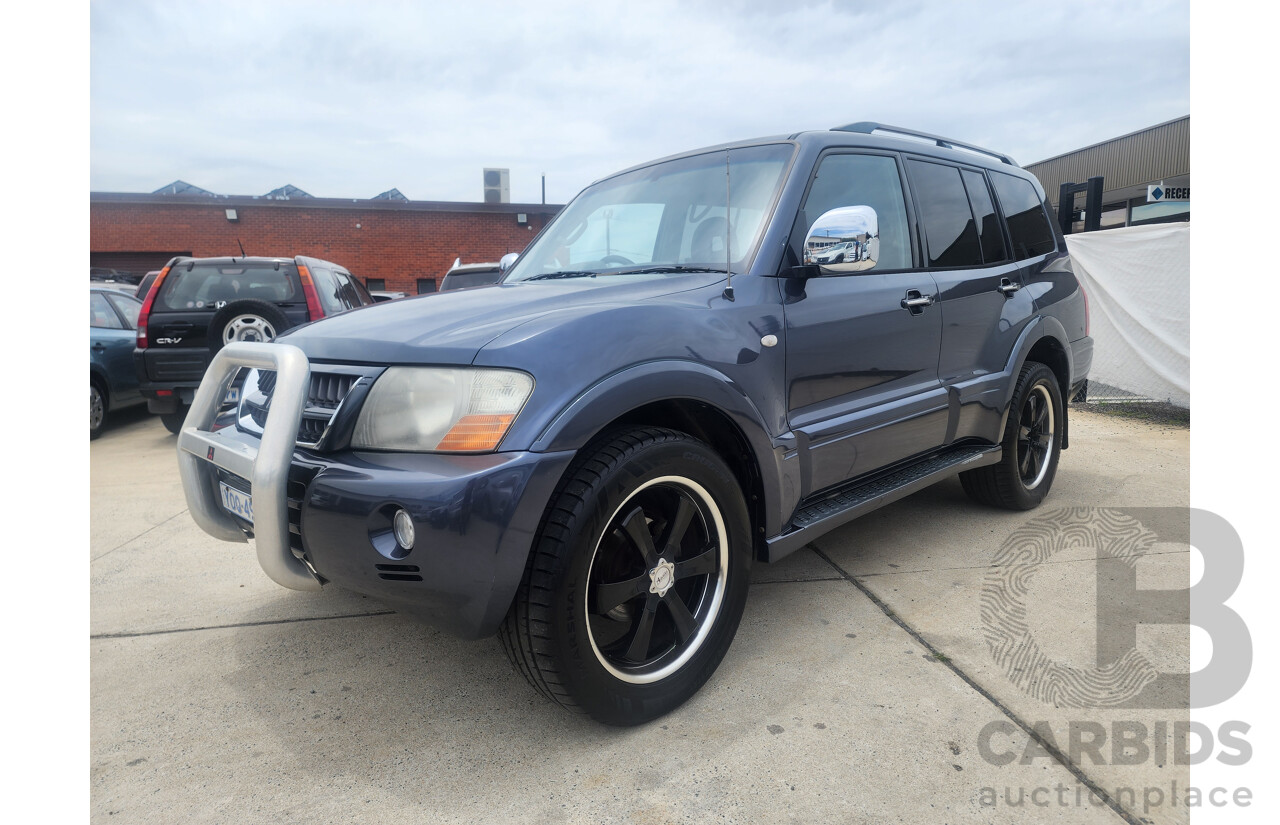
x=327 y=388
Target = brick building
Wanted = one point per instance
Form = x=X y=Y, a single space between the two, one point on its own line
x=392 y=244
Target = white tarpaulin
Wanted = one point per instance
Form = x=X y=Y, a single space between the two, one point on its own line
x=1138 y=280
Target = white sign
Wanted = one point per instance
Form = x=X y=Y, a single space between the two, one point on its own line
x=1159 y=192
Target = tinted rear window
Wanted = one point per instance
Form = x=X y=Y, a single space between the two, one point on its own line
x=208 y=286
x=949 y=226
x=1029 y=227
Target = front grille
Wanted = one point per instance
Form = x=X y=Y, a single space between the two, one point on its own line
x=296 y=492
x=326 y=391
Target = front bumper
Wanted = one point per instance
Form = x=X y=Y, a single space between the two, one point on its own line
x=327 y=517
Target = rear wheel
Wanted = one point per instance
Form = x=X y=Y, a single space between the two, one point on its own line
x=173 y=421
x=637 y=581
x=1032 y=442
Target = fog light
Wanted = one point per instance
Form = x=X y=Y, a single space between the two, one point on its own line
x=403 y=526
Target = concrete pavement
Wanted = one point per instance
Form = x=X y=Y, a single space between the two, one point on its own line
x=857 y=690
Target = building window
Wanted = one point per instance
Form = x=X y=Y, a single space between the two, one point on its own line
x=1161 y=212
x=426 y=285
x=379 y=284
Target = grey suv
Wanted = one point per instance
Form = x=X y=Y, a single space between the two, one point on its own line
x=667 y=387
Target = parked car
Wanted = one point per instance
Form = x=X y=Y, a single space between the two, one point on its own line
x=588 y=457
x=464 y=275
x=199 y=305
x=105 y=275
x=839 y=253
x=112 y=382
x=144 y=286
x=380 y=295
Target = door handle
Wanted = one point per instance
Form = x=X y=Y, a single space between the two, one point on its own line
x=915 y=302
x=1008 y=287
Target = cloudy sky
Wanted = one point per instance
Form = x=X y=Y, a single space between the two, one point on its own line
x=348 y=99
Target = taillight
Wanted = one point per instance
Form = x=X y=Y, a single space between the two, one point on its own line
x=146 y=308
x=314 y=310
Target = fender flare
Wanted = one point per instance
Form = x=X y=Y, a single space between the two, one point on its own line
x=1043 y=326
x=670 y=380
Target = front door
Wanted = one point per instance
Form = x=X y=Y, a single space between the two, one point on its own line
x=862 y=365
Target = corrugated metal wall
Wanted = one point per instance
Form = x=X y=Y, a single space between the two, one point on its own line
x=1139 y=158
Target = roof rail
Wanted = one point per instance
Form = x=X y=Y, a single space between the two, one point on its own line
x=866 y=127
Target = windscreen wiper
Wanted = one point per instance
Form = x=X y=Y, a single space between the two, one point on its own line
x=666 y=268
x=567 y=273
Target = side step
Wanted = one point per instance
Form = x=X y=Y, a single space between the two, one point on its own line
x=816 y=518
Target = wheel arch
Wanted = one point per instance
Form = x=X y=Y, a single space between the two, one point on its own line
x=98 y=376
x=690 y=398
x=1043 y=341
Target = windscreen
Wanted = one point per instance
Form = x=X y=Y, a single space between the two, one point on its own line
x=668 y=217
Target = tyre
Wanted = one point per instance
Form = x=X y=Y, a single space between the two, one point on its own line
x=246 y=320
x=97 y=408
x=173 y=421
x=1031 y=445
x=637 y=580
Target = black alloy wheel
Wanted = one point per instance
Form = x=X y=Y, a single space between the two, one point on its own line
x=1031 y=444
x=657 y=580
x=637 y=580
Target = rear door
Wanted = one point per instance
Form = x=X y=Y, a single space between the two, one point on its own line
x=978 y=282
x=111 y=338
x=862 y=369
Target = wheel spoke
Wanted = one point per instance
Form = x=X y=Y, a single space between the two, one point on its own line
x=637 y=529
x=686 y=625
x=1024 y=463
x=611 y=594
x=677 y=527
x=638 y=650
x=1042 y=413
x=700 y=565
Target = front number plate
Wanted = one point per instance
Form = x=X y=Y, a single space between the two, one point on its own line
x=237 y=502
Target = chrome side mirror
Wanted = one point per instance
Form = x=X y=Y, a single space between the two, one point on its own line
x=507 y=260
x=844 y=240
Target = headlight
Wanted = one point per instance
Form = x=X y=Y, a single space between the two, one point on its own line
x=427 y=409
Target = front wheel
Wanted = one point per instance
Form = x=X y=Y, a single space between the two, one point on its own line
x=1032 y=442
x=638 y=579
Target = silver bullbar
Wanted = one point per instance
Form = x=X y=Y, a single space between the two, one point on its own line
x=264 y=463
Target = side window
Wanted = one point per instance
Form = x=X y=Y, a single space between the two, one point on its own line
x=984 y=209
x=128 y=309
x=865 y=180
x=329 y=289
x=346 y=292
x=100 y=313
x=362 y=293
x=949 y=227
x=1029 y=227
